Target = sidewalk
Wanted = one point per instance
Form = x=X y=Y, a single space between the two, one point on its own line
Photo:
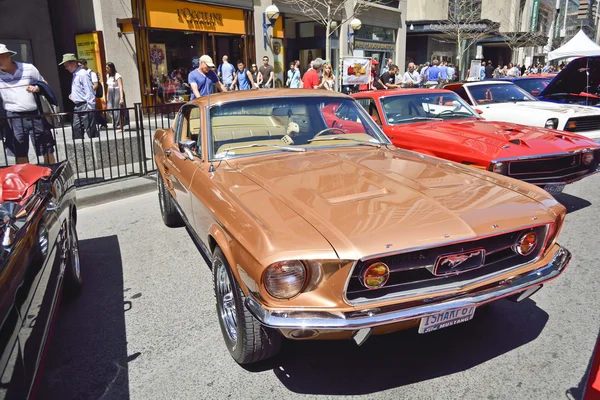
x=88 y=196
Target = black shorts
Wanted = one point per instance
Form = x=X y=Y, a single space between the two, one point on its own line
x=25 y=125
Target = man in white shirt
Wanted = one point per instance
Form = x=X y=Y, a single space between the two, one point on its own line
x=22 y=109
x=411 y=77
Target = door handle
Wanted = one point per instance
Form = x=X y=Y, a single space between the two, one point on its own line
x=168 y=152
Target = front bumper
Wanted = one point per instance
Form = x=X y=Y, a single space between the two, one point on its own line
x=324 y=320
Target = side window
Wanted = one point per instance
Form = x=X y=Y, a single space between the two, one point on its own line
x=463 y=94
x=188 y=126
x=373 y=112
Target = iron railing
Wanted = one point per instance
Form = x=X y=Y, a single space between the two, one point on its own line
x=112 y=153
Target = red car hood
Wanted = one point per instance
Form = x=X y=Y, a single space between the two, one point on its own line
x=496 y=139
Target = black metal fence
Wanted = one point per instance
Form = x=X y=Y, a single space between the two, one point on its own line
x=98 y=150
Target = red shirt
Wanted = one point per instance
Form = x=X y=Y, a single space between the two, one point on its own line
x=310 y=79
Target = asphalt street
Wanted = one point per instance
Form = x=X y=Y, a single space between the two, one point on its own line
x=146 y=327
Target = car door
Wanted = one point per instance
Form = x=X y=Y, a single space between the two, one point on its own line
x=175 y=161
x=43 y=276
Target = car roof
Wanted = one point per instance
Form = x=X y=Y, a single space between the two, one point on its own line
x=376 y=94
x=262 y=93
x=485 y=82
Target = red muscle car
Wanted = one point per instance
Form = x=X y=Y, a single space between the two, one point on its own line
x=442 y=124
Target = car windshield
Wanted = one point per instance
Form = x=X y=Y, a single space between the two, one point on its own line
x=498 y=93
x=409 y=108
x=297 y=124
x=533 y=86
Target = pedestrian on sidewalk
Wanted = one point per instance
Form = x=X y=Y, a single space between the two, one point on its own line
x=266 y=74
x=82 y=94
x=226 y=72
x=243 y=78
x=294 y=79
x=115 y=98
x=18 y=100
x=98 y=91
x=203 y=79
x=254 y=72
x=311 y=79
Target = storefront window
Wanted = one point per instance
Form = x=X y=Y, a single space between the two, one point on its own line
x=376 y=33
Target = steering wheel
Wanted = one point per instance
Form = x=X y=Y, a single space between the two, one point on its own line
x=329 y=130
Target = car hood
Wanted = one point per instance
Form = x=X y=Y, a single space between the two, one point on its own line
x=574 y=78
x=565 y=110
x=367 y=202
x=497 y=139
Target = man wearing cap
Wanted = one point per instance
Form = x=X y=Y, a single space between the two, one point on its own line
x=203 y=79
x=84 y=97
x=19 y=102
x=311 y=80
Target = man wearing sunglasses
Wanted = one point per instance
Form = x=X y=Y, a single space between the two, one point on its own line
x=266 y=74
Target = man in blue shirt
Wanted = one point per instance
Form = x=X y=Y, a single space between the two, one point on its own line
x=435 y=73
x=226 y=72
x=203 y=79
x=482 y=71
x=84 y=97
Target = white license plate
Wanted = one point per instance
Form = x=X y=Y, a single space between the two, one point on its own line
x=554 y=188
x=445 y=319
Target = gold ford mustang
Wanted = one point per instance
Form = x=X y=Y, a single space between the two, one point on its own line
x=319 y=232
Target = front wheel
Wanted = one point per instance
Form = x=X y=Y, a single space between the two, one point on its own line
x=73 y=279
x=168 y=211
x=246 y=339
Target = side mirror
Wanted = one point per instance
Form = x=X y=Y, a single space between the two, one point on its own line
x=188 y=147
x=478 y=111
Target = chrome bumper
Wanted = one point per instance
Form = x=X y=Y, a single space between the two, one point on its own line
x=322 y=320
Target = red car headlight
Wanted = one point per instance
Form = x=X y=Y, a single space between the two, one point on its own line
x=587 y=158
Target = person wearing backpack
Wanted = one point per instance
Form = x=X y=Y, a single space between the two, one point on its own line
x=98 y=90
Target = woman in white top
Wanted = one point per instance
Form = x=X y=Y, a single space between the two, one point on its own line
x=328 y=80
x=115 y=98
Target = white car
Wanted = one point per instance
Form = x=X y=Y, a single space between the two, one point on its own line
x=505 y=101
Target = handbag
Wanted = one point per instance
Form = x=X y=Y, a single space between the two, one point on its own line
x=50 y=112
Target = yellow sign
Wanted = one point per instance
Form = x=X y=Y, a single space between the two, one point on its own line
x=88 y=47
x=169 y=14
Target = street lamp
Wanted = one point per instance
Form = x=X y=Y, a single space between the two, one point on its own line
x=271 y=13
x=355 y=24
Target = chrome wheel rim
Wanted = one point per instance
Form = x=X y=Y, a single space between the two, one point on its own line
x=75 y=253
x=226 y=301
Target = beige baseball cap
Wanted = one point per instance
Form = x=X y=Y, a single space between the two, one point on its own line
x=4 y=50
x=207 y=60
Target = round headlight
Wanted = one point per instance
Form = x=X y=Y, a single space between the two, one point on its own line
x=552 y=123
x=285 y=279
x=375 y=275
x=587 y=158
x=499 y=168
x=526 y=243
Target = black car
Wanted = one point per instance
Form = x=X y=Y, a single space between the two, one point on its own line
x=39 y=257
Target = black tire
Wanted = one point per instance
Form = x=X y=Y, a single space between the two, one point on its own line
x=169 y=212
x=252 y=342
x=73 y=279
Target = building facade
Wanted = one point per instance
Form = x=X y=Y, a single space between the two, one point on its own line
x=152 y=42
x=501 y=31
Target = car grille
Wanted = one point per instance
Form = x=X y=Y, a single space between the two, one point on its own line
x=412 y=273
x=556 y=169
x=584 y=124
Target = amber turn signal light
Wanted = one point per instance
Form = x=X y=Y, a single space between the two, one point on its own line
x=526 y=243
x=572 y=125
x=376 y=275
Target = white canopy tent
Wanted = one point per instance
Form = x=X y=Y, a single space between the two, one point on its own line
x=580 y=46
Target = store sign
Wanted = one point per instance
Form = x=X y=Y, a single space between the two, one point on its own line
x=356 y=70
x=359 y=44
x=169 y=14
x=206 y=20
x=89 y=48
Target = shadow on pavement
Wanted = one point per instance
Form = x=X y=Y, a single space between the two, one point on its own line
x=572 y=203
x=87 y=355
x=404 y=358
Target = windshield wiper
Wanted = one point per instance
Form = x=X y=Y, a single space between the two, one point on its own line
x=419 y=119
x=451 y=113
x=362 y=142
x=285 y=148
